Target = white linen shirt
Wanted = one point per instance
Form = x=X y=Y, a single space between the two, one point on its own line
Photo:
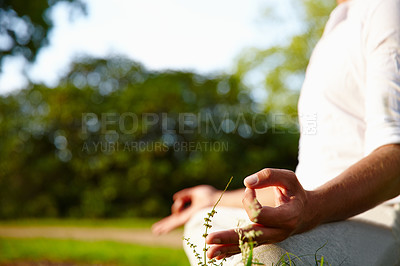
x=350 y=100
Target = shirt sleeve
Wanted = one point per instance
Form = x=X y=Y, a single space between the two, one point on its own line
x=382 y=75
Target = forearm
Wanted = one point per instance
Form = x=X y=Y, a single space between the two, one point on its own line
x=367 y=183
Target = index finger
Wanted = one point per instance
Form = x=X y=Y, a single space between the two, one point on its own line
x=267 y=216
x=263 y=235
x=184 y=193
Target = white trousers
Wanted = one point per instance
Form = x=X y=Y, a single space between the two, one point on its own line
x=371 y=238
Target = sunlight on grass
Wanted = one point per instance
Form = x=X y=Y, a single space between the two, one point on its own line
x=88 y=252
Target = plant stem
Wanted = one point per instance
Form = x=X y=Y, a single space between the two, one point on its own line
x=212 y=214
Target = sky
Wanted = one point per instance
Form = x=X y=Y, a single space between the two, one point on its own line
x=203 y=36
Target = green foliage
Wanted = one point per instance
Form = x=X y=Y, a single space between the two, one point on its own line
x=25 y=25
x=283 y=65
x=131 y=222
x=87 y=252
x=114 y=139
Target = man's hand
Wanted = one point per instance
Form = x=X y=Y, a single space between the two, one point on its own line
x=186 y=203
x=290 y=216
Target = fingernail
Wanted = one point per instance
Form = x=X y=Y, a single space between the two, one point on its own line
x=216 y=241
x=251 y=180
x=216 y=253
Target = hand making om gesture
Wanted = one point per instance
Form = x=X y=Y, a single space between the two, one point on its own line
x=291 y=214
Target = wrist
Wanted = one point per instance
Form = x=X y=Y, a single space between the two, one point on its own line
x=312 y=211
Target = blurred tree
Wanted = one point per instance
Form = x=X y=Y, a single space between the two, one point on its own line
x=115 y=139
x=283 y=65
x=24 y=26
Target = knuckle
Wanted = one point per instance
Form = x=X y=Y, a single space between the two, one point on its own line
x=292 y=224
x=292 y=179
x=266 y=172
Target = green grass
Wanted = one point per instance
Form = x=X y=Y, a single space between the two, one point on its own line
x=116 y=223
x=96 y=252
x=86 y=252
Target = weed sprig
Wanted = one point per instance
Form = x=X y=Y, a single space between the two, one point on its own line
x=247 y=237
x=208 y=225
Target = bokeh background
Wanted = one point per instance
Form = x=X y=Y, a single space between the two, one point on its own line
x=104 y=137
